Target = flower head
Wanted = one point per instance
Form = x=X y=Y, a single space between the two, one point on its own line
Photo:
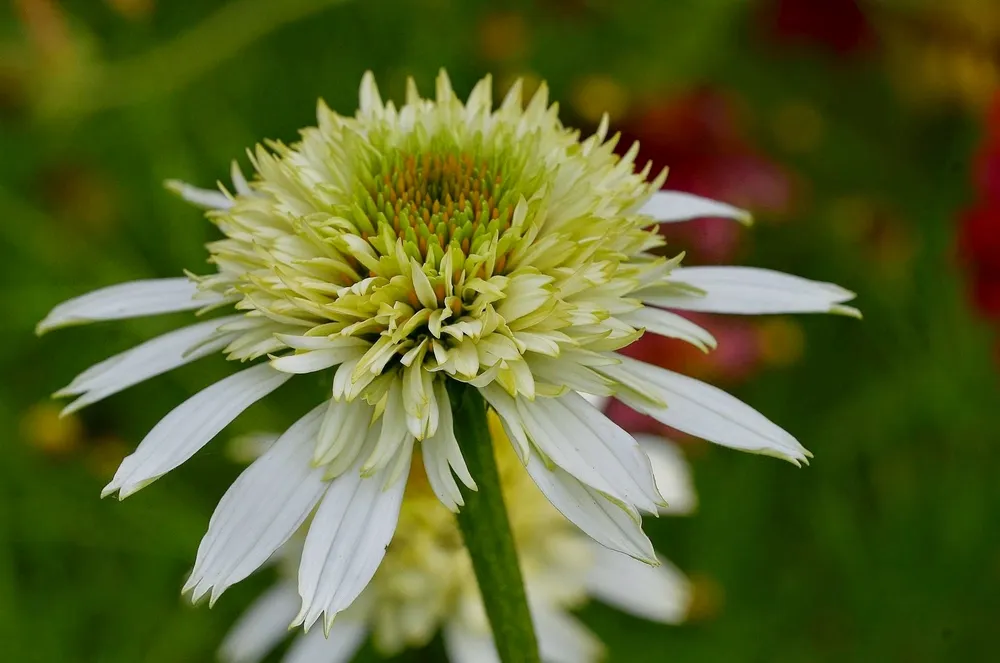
x=426 y=584
x=405 y=248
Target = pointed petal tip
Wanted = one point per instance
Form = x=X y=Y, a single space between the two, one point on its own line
x=848 y=311
x=328 y=624
x=174 y=186
x=65 y=392
x=72 y=408
x=109 y=490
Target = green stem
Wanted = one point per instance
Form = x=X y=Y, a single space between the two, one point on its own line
x=486 y=531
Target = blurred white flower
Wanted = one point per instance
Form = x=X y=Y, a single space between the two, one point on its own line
x=426 y=583
x=403 y=250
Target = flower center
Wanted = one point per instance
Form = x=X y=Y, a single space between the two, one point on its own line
x=431 y=201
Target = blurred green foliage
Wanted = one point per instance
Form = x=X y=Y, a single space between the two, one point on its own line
x=885 y=549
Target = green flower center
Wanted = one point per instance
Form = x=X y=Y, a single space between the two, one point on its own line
x=435 y=200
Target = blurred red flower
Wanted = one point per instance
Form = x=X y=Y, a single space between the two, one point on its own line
x=700 y=138
x=979 y=231
x=979 y=251
x=839 y=27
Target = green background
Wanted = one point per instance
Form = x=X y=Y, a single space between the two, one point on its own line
x=885 y=549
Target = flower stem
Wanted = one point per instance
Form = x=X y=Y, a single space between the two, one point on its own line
x=486 y=531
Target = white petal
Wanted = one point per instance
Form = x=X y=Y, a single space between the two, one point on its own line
x=671 y=325
x=204 y=198
x=262 y=626
x=154 y=357
x=588 y=445
x=660 y=593
x=600 y=518
x=670 y=206
x=506 y=407
x=463 y=645
x=239 y=181
x=599 y=402
x=702 y=410
x=442 y=455
x=568 y=373
x=266 y=504
x=393 y=435
x=191 y=425
x=125 y=300
x=313 y=360
x=345 y=638
x=563 y=639
x=347 y=540
x=342 y=435
x=749 y=291
x=672 y=474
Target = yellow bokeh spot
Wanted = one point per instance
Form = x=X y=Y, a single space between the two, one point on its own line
x=105 y=455
x=780 y=341
x=503 y=37
x=133 y=10
x=595 y=95
x=42 y=428
x=798 y=127
x=707 y=598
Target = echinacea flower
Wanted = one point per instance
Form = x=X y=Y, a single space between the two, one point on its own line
x=406 y=249
x=426 y=584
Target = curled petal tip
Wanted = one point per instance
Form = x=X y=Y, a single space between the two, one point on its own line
x=848 y=311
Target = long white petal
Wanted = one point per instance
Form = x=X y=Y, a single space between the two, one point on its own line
x=660 y=593
x=671 y=325
x=506 y=407
x=599 y=402
x=463 y=645
x=345 y=638
x=266 y=504
x=342 y=435
x=347 y=540
x=671 y=206
x=563 y=639
x=125 y=300
x=598 y=517
x=154 y=357
x=702 y=410
x=579 y=439
x=262 y=626
x=204 y=198
x=442 y=456
x=672 y=474
x=750 y=291
x=191 y=425
x=313 y=360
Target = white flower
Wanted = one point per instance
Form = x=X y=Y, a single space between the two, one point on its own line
x=426 y=583
x=405 y=248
